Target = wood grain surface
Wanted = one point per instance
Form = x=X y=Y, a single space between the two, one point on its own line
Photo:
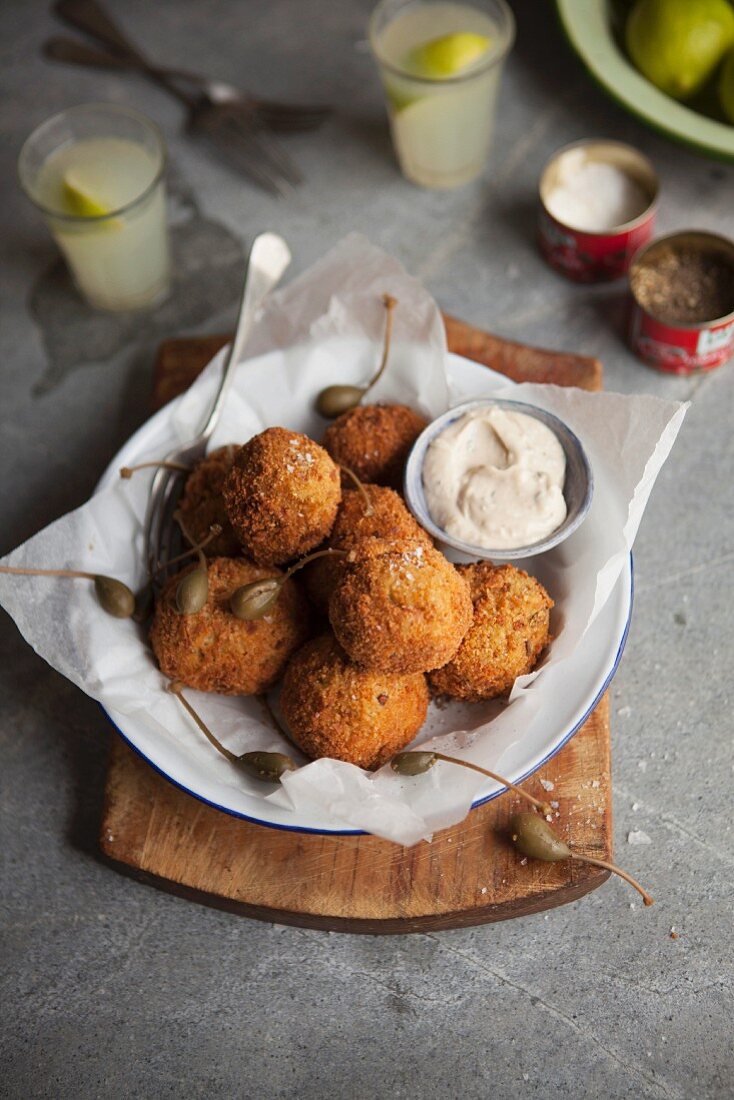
x=469 y=874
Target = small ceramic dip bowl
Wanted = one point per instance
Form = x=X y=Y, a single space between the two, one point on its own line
x=578 y=487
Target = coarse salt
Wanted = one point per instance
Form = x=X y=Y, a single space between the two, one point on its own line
x=594 y=197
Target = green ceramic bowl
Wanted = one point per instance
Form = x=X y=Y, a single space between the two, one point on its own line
x=589 y=27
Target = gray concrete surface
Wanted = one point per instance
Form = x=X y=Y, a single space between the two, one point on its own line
x=112 y=989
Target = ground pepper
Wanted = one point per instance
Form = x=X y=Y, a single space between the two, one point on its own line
x=684 y=284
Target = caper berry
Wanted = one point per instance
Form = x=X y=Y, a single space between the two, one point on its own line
x=533 y=836
x=254 y=600
x=338 y=399
x=268 y=766
x=114 y=597
x=413 y=763
x=192 y=592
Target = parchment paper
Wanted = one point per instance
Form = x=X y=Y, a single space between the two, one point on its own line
x=326 y=326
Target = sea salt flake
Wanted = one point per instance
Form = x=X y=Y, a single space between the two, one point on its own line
x=636 y=836
x=547 y=785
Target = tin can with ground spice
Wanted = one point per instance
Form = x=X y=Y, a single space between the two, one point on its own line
x=596 y=245
x=682 y=311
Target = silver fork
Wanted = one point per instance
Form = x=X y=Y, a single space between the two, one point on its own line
x=269 y=257
x=234 y=129
x=283 y=117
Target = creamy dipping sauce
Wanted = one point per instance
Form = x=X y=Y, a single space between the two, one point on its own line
x=494 y=478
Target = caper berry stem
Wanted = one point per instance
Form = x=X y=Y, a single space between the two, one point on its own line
x=214 y=530
x=176 y=688
x=328 y=552
x=368 y=509
x=48 y=572
x=389 y=303
x=647 y=899
x=127 y=472
x=334 y=401
x=544 y=807
x=268 y=766
x=114 y=596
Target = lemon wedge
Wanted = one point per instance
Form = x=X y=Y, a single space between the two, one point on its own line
x=78 y=199
x=449 y=55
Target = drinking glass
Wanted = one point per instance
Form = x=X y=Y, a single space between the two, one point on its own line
x=96 y=173
x=441 y=126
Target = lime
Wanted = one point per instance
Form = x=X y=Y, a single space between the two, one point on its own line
x=726 y=86
x=79 y=199
x=447 y=56
x=677 y=44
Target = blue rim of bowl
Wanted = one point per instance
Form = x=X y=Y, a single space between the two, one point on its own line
x=361 y=832
x=419 y=508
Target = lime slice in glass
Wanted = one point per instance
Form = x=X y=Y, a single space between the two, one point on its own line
x=80 y=201
x=448 y=56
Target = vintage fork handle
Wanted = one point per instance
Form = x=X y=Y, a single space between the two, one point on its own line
x=90 y=16
x=269 y=257
x=79 y=53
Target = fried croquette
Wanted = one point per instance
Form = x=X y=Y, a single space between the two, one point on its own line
x=389 y=519
x=374 y=440
x=399 y=606
x=202 y=503
x=281 y=495
x=336 y=708
x=509 y=632
x=214 y=651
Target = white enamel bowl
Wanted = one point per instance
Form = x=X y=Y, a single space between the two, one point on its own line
x=587 y=672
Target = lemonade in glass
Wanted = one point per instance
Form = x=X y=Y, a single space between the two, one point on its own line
x=96 y=174
x=440 y=64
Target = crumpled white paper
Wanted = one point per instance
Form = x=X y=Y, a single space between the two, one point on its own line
x=326 y=326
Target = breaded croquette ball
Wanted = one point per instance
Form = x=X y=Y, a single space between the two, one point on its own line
x=510 y=629
x=282 y=495
x=399 y=606
x=336 y=708
x=374 y=440
x=389 y=519
x=214 y=651
x=202 y=503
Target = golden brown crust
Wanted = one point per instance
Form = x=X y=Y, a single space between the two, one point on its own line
x=335 y=708
x=509 y=632
x=400 y=606
x=202 y=503
x=374 y=440
x=214 y=651
x=390 y=519
x=281 y=495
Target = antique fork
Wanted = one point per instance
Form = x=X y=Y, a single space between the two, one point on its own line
x=283 y=117
x=269 y=257
x=233 y=127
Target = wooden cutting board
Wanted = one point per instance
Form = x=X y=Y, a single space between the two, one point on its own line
x=469 y=874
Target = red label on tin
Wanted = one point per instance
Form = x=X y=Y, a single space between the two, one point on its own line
x=591 y=258
x=680 y=350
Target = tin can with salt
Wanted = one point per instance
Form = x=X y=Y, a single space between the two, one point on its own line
x=657 y=334
x=587 y=254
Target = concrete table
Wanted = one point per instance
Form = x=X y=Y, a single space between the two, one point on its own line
x=112 y=989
